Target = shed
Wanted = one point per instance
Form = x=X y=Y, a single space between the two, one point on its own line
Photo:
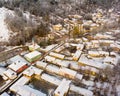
x=33 y=56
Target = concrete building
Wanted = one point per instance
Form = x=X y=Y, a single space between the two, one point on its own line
x=33 y=56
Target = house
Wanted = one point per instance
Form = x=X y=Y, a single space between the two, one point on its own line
x=77 y=55
x=49 y=59
x=98 y=53
x=51 y=79
x=33 y=56
x=82 y=91
x=57 y=55
x=106 y=42
x=59 y=49
x=22 y=81
x=41 y=64
x=94 y=27
x=93 y=53
x=78 y=76
x=84 y=61
x=25 y=90
x=67 y=72
x=63 y=63
x=115 y=47
x=111 y=60
x=18 y=58
x=63 y=88
x=32 y=71
x=18 y=66
x=10 y=74
x=87 y=82
x=80 y=47
x=53 y=69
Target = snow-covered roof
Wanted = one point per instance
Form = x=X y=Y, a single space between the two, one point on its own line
x=41 y=64
x=11 y=74
x=32 y=70
x=74 y=65
x=50 y=47
x=80 y=46
x=51 y=79
x=34 y=46
x=77 y=55
x=27 y=91
x=64 y=63
x=17 y=58
x=57 y=55
x=32 y=54
x=53 y=69
x=17 y=65
x=59 y=49
x=63 y=88
x=79 y=76
x=90 y=62
x=98 y=53
x=81 y=91
x=67 y=71
x=22 y=81
x=111 y=60
x=88 y=82
x=50 y=59
x=107 y=41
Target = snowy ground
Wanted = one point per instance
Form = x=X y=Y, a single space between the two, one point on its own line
x=4 y=31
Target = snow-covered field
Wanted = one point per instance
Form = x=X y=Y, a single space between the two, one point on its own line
x=4 y=31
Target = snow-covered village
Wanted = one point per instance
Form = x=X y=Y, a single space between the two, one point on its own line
x=59 y=47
